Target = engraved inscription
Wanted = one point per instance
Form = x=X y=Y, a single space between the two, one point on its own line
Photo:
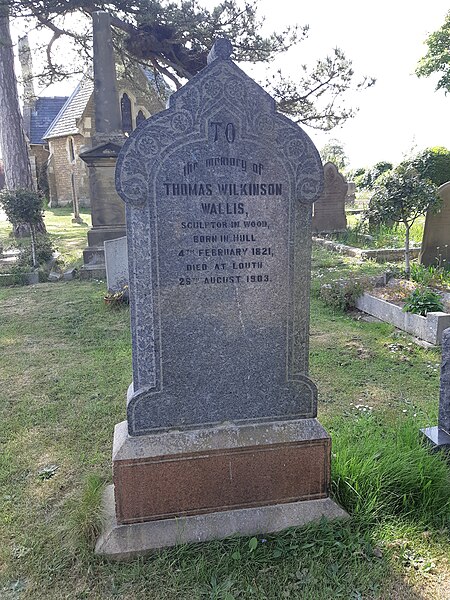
x=236 y=248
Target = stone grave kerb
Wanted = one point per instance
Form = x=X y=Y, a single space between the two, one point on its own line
x=219 y=101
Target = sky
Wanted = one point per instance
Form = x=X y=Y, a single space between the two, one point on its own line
x=401 y=114
x=385 y=40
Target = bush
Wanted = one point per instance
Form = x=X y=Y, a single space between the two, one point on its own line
x=367 y=178
x=22 y=206
x=433 y=164
x=44 y=252
x=341 y=295
x=422 y=301
x=430 y=276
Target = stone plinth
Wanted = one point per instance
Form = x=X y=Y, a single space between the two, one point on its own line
x=207 y=470
x=198 y=485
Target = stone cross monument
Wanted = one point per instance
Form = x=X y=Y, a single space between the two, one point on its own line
x=439 y=437
x=107 y=210
x=221 y=435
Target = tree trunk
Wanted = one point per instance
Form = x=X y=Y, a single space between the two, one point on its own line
x=13 y=142
x=407 y=253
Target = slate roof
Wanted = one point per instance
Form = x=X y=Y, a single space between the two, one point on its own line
x=42 y=116
x=65 y=122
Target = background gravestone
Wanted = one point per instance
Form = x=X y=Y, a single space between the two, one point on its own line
x=329 y=210
x=221 y=428
x=116 y=262
x=436 y=234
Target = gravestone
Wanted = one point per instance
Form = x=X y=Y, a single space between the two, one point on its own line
x=436 y=234
x=350 y=197
x=329 y=209
x=116 y=262
x=221 y=435
x=439 y=437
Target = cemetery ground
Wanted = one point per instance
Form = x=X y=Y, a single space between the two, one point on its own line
x=65 y=368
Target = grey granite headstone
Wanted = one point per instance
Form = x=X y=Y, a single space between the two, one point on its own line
x=116 y=261
x=218 y=192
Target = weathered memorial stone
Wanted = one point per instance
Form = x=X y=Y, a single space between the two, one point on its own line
x=439 y=437
x=436 y=234
x=329 y=210
x=116 y=262
x=350 y=198
x=107 y=210
x=221 y=434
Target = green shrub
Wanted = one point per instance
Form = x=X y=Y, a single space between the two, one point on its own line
x=341 y=295
x=24 y=207
x=433 y=164
x=365 y=179
x=423 y=300
x=44 y=252
x=430 y=276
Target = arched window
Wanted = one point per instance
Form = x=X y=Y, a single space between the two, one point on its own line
x=140 y=117
x=71 y=148
x=125 y=108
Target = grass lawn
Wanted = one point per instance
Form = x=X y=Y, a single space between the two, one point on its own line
x=65 y=368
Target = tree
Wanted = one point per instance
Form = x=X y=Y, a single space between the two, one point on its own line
x=437 y=58
x=12 y=137
x=173 y=39
x=433 y=164
x=400 y=196
x=367 y=178
x=334 y=152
